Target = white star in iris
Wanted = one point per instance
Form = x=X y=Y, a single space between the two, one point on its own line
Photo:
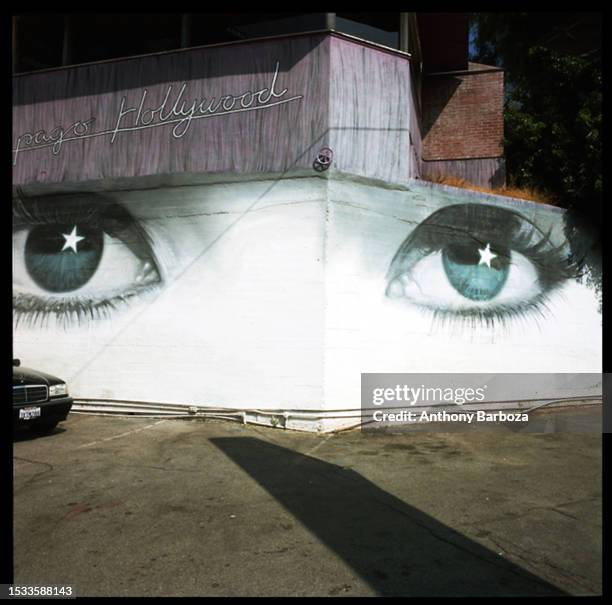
x=72 y=240
x=486 y=256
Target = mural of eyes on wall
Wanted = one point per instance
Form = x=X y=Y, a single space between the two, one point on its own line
x=470 y=262
x=225 y=282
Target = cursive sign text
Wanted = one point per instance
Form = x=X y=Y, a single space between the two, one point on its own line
x=175 y=109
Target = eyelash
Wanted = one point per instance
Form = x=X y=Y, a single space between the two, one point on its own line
x=548 y=261
x=499 y=316
x=36 y=311
x=69 y=311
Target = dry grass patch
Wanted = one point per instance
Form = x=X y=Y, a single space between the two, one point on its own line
x=523 y=193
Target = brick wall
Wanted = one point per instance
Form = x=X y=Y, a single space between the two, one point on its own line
x=463 y=114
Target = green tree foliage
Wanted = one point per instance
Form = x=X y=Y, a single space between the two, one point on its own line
x=553 y=107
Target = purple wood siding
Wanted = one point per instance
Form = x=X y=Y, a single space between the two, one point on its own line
x=272 y=138
x=369 y=111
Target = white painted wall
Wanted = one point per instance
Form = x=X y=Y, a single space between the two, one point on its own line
x=273 y=297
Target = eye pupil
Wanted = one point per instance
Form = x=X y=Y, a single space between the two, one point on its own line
x=63 y=257
x=476 y=272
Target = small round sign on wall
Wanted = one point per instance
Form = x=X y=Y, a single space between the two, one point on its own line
x=323 y=160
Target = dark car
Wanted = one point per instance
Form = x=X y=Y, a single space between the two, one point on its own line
x=40 y=400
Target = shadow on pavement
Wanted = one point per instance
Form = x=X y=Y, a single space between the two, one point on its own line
x=394 y=547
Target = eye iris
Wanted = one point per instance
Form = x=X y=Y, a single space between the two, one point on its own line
x=476 y=272
x=62 y=258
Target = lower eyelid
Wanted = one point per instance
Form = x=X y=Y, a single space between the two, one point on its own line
x=36 y=311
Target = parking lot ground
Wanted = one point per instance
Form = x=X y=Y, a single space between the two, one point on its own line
x=145 y=507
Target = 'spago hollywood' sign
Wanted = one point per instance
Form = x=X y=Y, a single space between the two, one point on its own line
x=174 y=109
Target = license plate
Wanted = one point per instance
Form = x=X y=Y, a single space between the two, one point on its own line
x=29 y=413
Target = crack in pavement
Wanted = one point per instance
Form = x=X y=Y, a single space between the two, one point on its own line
x=578 y=579
x=30 y=479
x=513 y=516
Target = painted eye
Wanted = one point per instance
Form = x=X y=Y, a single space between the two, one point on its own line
x=77 y=255
x=476 y=261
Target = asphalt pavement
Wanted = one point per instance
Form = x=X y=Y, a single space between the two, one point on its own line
x=147 y=507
